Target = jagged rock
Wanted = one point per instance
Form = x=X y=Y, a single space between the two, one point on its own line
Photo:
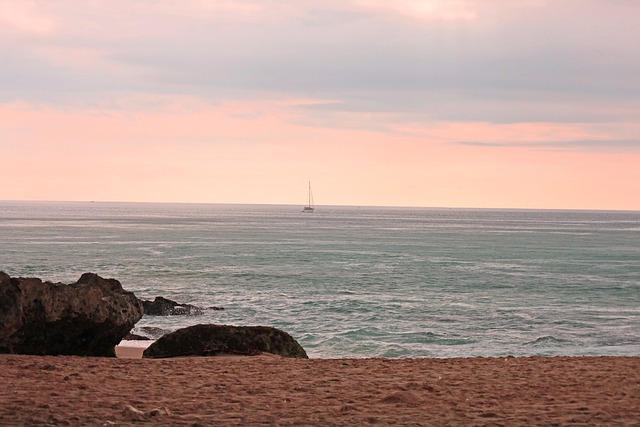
x=161 y=306
x=216 y=340
x=135 y=337
x=86 y=318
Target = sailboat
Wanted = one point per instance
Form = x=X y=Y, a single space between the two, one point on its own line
x=310 y=207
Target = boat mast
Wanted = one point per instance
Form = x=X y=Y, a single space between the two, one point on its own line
x=309 y=207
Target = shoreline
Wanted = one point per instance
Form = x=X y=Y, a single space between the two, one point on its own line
x=270 y=390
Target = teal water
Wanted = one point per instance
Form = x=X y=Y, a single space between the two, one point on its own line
x=357 y=282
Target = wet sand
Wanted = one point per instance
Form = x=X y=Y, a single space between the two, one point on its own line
x=269 y=390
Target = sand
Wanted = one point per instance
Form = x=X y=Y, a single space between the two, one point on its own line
x=124 y=352
x=269 y=390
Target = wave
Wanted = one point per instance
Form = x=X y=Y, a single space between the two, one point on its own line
x=548 y=339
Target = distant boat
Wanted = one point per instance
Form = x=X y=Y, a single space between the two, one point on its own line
x=310 y=207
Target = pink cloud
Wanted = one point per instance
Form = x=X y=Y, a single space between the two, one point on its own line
x=24 y=17
x=443 y=10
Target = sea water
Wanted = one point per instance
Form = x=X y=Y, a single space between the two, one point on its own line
x=357 y=281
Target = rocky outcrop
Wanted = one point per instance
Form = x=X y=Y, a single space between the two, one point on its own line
x=217 y=340
x=162 y=306
x=135 y=337
x=86 y=318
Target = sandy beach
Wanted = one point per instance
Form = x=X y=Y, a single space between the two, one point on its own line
x=269 y=390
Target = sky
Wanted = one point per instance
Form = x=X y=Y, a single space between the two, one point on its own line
x=432 y=103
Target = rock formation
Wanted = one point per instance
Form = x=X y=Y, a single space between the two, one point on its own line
x=135 y=337
x=86 y=318
x=216 y=340
x=161 y=306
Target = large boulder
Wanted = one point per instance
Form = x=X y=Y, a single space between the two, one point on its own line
x=218 y=340
x=86 y=318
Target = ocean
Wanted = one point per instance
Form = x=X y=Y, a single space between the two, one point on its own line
x=357 y=281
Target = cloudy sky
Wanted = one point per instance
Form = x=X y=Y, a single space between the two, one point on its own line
x=458 y=103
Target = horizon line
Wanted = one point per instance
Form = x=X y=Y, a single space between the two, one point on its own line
x=325 y=205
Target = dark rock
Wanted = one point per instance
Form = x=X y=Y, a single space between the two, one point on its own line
x=165 y=307
x=216 y=340
x=86 y=318
x=135 y=337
